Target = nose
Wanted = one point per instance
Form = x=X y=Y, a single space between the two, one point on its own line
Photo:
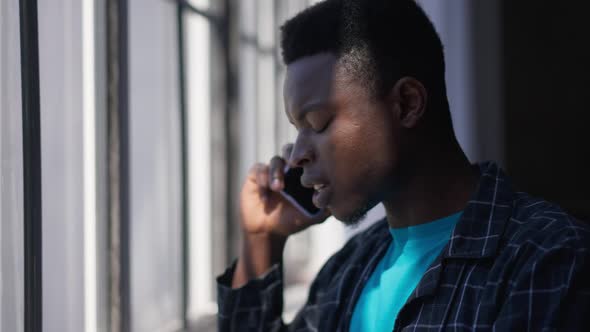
x=301 y=154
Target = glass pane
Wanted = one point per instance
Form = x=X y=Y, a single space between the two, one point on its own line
x=11 y=172
x=155 y=187
x=200 y=118
x=61 y=107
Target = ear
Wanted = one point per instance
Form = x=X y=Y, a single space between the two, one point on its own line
x=409 y=98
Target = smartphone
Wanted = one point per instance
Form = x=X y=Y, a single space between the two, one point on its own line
x=298 y=195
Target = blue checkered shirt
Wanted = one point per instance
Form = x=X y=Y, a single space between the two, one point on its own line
x=513 y=263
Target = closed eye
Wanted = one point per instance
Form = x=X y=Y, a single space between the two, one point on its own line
x=319 y=120
x=326 y=125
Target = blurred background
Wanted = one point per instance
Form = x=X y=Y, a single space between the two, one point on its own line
x=150 y=112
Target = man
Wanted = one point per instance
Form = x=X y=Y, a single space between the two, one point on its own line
x=459 y=248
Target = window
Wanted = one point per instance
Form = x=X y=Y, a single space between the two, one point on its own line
x=207 y=218
x=151 y=113
x=11 y=172
x=65 y=108
x=155 y=233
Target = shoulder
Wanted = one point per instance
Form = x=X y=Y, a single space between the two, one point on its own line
x=543 y=267
x=544 y=226
x=544 y=243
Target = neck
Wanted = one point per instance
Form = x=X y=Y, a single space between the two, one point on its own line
x=438 y=185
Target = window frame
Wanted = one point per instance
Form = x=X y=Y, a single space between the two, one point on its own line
x=33 y=259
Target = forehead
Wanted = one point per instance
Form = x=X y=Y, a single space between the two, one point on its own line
x=310 y=79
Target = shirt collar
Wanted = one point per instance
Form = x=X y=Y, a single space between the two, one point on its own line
x=479 y=229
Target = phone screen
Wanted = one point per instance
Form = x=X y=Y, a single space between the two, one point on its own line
x=301 y=195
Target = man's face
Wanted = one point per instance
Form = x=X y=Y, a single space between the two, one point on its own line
x=346 y=140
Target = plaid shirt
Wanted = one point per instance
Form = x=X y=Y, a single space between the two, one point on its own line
x=513 y=263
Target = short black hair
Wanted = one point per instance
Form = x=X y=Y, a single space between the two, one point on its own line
x=380 y=40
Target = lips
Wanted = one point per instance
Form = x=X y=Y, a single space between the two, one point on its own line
x=321 y=193
x=321 y=197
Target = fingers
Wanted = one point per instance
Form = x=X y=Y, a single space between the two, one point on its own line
x=271 y=176
x=261 y=175
x=276 y=173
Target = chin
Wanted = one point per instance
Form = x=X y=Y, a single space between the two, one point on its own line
x=354 y=217
x=352 y=220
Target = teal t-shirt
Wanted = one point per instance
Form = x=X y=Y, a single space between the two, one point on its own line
x=411 y=252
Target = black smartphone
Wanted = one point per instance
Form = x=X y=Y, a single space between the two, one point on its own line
x=297 y=194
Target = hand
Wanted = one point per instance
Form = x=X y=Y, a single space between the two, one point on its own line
x=267 y=219
x=263 y=210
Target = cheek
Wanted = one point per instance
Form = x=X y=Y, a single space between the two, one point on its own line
x=344 y=143
x=358 y=151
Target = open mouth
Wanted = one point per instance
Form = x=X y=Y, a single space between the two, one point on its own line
x=319 y=187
